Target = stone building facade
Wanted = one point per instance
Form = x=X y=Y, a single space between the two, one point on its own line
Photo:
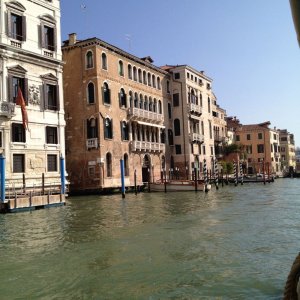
x=114 y=104
x=30 y=58
x=195 y=120
x=287 y=151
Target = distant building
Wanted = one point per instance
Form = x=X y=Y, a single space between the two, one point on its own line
x=30 y=59
x=260 y=150
x=194 y=119
x=287 y=151
x=115 y=106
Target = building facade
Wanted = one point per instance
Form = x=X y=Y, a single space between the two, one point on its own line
x=114 y=104
x=30 y=60
x=195 y=124
x=259 y=146
x=287 y=151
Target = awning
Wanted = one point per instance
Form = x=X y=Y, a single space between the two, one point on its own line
x=150 y=124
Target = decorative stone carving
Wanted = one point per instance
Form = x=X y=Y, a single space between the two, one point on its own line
x=34 y=95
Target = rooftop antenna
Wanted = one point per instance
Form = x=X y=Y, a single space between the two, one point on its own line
x=128 y=38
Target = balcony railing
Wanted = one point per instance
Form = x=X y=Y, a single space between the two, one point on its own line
x=194 y=108
x=7 y=109
x=197 y=138
x=92 y=143
x=146 y=115
x=147 y=146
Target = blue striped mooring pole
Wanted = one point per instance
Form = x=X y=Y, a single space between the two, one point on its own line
x=62 y=175
x=2 y=172
x=122 y=178
x=235 y=173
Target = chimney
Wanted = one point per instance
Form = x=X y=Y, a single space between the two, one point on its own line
x=72 y=39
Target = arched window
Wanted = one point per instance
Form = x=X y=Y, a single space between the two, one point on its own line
x=177 y=127
x=89 y=60
x=106 y=93
x=169 y=111
x=140 y=75
x=124 y=131
x=162 y=135
x=144 y=77
x=168 y=86
x=153 y=81
x=108 y=128
x=108 y=165
x=91 y=93
x=92 y=128
x=154 y=105
x=159 y=107
x=122 y=98
x=193 y=97
x=150 y=104
x=136 y=100
x=134 y=74
x=170 y=137
x=149 y=79
x=126 y=165
x=208 y=103
x=146 y=103
x=158 y=83
x=130 y=99
x=104 y=61
x=121 y=68
x=141 y=102
x=129 y=71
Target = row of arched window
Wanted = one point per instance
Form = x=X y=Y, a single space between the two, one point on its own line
x=134 y=73
x=135 y=100
x=109 y=162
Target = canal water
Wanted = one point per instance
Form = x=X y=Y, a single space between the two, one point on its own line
x=234 y=243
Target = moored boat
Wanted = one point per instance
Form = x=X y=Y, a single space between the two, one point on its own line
x=178 y=186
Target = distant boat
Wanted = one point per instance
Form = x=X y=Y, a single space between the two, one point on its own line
x=178 y=186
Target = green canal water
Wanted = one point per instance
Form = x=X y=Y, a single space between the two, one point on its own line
x=234 y=243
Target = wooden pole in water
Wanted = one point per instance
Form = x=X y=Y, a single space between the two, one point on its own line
x=222 y=179
x=195 y=178
x=165 y=179
x=24 y=184
x=264 y=172
x=122 y=178
x=216 y=171
x=135 y=189
x=43 y=183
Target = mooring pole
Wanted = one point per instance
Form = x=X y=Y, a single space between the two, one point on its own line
x=165 y=179
x=62 y=175
x=135 y=189
x=196 y=185
x=222 y=177
x=43 y=183
x=2 y=172
x=216 y=172
x=122 y=178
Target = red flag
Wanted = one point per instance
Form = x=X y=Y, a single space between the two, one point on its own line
x=20 y=101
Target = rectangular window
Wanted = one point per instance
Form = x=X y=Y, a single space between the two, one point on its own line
x=176 y=99
x=204 y=152
x=178 y=149
x=249 y=149
x=211 y=150
x=248 y=137
x=48 y=38
x=18 y=133
x=259 y=136
x=18 y=163
x=51 y=97
x=274 y=136
x=16 y=26
x=177 y=75
x=260 y=148
x=237 y=138
x=51 y=135
x=283 y=139
x=15 y=83
x=52 y=162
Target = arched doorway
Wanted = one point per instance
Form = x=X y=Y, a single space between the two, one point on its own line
x=146 y=168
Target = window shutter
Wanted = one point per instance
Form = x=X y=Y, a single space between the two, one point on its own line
x=10 y=88
x=8 y=15
x=23 y=28
x=42 y=36
x=45 y=96
x=102 y=92
x=57 y=98
x=26 y=90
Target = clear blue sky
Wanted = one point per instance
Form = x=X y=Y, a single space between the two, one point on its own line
x=249 y=48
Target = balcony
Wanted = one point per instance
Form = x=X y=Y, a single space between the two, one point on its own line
x=195 y=109
x=145 y=115
x=7 y=109
x=219 y=139
x=147 y=146
x=92 y=143
x=196 y=138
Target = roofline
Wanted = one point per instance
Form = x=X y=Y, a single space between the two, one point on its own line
x=99 y=42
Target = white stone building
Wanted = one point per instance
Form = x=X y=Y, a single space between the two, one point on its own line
x=30 y=58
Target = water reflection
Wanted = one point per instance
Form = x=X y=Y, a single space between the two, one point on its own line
x=234 y=243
